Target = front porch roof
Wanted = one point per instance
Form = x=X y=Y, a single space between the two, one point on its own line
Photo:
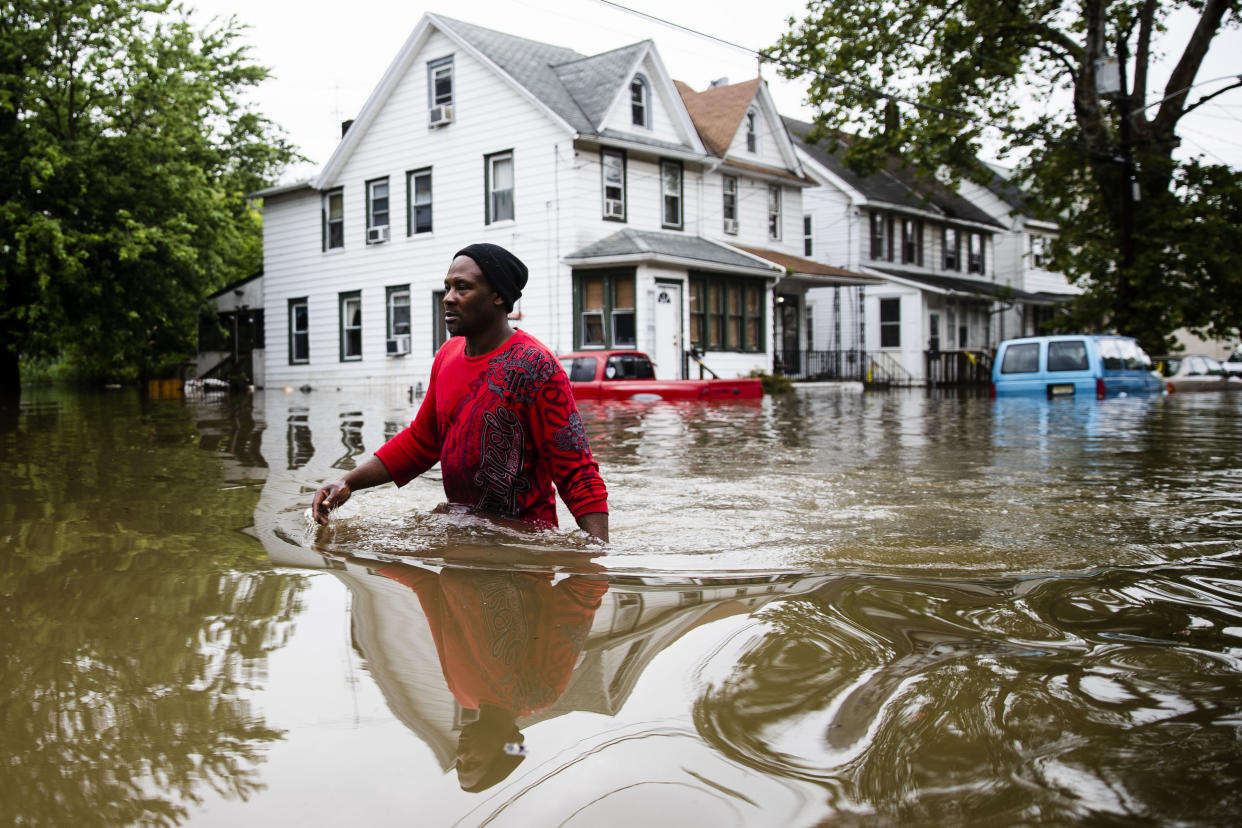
x=957 y=286
x=811 y=273
x=631 y=246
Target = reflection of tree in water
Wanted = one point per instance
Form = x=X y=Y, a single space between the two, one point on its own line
x=929 y=702
x=131 y=638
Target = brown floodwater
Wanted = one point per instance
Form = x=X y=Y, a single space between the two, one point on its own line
x=827 y=608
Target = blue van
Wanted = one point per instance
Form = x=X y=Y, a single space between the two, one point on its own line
x=1073 y=365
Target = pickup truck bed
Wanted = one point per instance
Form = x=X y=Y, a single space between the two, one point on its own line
x=628 y=375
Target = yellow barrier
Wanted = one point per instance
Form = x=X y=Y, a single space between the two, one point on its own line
x=160 y=388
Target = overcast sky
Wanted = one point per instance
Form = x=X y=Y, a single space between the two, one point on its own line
x=326 y=57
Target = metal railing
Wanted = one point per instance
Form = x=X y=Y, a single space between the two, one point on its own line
x=868 y=367
x=958 y=367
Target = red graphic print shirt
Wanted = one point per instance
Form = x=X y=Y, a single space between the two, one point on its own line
x=505 y=428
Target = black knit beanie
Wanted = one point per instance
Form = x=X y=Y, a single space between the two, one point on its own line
x=504 y=271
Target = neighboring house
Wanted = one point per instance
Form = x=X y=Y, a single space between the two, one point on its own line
x=636 y=231
x=1022 y=259
x=935 y=250
x=231 y=346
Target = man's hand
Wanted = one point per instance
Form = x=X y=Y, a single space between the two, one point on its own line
x=595 y=524
x=330 y=496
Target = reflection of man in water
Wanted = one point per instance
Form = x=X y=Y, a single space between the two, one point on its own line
x=508 y=643
x=499 y=415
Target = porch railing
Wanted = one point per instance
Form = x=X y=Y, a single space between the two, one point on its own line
x=958 y=367
x=868 y=367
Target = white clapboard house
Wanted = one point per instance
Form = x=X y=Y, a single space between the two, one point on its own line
x=637 y=231
x=951 y=263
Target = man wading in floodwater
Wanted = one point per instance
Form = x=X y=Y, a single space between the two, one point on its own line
x=499 y=415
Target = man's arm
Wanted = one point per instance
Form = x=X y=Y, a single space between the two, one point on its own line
x=594 y=524
x=332 y=495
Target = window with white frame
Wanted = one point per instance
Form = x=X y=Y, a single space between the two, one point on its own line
x=890 y=323
x=911 y=241
x=752 y=134
x=440 y=82
x=604 y=300
x=398 y=302
x=975 y=253
x=774 y=211
x=729 y=204
x=418 y=201
x=808 y=241
x=881 y=237
x=439 y=330
x=640 y=102
x=1039 y=250
x=951 y=248
x=333 y=219
x=612 y=164
x=299 y=331
x=670 y=194
x=377 y=206
x=498 y=172
x=351 y=326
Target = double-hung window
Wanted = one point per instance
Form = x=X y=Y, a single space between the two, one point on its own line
x=774 y=211
x=752 y=134
x=440 y=91
x=377 y=210
x=612 y=163
x=911 y=241
x=729 y=204
x=670 y=193
x=418 y=198
x=808 y=240
x=640 y=102
x=333 y=219
x=1039 y=251
x=398 y=302
x=881 y=237
x=605 y=305
x=351 y=326
x=498 y=181
x=890 y=323
x=299 y=332
x=974 y=253
x=439 y=330
x=951 y=247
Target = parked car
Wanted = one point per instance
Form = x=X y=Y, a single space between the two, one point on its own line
x=629 y=375
x=1073 y=365
x=1233 y=363
x=1195 y=372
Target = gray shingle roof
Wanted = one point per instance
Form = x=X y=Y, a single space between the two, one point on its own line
x=976 y=287
x=576 y=87
x=895 y=184
x=593 y=81
x=630 y=242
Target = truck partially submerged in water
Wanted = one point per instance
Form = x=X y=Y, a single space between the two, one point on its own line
x=629 y=375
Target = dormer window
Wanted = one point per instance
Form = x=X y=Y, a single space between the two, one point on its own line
x=640 y=102
x=752 y=136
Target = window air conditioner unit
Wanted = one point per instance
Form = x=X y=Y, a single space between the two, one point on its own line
x=730 y=226
x=441 y=115
x=399 y=345
x=613 y=209
x=375 y=235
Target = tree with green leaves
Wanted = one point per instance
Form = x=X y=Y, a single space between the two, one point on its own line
x=126 y=152
x=1154 y=239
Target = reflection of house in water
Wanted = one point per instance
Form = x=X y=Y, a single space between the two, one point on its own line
x=638 y=618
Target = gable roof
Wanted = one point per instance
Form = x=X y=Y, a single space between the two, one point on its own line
x=717 y=112
x=895 y=184
x=574 y=90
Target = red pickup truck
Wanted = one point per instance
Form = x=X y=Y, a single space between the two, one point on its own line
x=628 y=375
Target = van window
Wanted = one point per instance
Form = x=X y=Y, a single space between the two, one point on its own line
x=1067 y=356
x=1021 y=359
x=1136 y=358
x=1110 y=352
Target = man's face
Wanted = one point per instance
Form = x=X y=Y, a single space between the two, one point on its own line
x=471 y=306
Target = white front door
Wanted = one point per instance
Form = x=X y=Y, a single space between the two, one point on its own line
x=667 y=353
